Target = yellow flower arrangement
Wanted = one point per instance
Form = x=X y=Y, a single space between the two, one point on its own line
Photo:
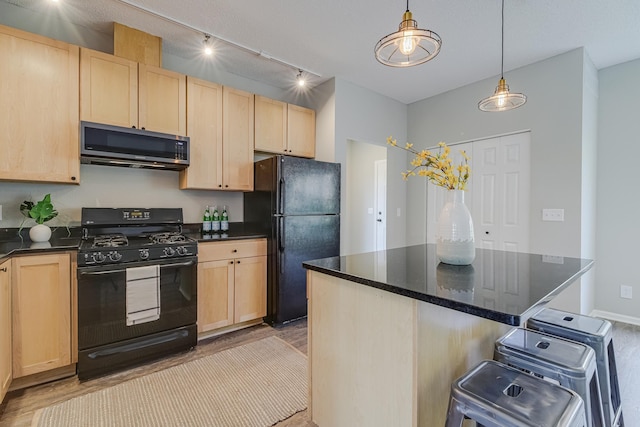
x=437 y=167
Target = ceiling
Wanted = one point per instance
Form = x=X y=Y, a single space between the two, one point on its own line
x=335 y=38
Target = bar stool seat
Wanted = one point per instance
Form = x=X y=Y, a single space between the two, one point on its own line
x=495 y=395
x=597 y=334
x=570 y=364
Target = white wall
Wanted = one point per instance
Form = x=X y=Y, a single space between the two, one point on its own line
x=618 y=210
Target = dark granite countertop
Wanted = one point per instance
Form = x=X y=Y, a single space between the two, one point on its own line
x=64 y=239
x=14 y=243
x=506 y=287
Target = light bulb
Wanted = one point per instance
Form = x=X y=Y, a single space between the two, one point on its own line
x=408 y=43
x=502 y=100
x=300 y=79
x=207 y=48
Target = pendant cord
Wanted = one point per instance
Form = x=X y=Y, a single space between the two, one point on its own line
x=502 y=53
x=407 y=5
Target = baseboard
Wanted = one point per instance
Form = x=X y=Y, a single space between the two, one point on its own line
x=616 y=317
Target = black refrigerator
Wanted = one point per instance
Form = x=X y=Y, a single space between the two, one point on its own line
x=296 y=202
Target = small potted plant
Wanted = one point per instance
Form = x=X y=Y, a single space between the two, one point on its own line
x=41 y=212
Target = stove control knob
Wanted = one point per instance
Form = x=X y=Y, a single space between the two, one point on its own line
x=181 y=250
x=144 y=253
x=169 y=251
x=99 y=257
x=115 y=256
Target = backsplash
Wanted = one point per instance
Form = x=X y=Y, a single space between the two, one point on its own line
x=108 y=186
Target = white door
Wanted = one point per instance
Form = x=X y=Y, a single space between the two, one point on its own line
x=381 y=204
x=497 y=195
x=501 y=174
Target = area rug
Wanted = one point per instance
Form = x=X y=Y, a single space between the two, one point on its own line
x=256 y=384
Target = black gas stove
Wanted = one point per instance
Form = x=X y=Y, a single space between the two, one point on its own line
x=115 y=235
x=137 y=288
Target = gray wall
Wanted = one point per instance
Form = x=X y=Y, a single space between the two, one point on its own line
x=365 y=116
x=554 y=114
x=618 y=152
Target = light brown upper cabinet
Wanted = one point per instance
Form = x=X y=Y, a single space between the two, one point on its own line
x=38 y=108
x=271 y=125
x=221 y=152
x=121 y=92
x=301 y=131
x=284 y=128
x=204 y=128
x=237 y=139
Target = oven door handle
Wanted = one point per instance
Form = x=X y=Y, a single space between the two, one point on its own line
x=97 y=273
x=178 y=264
x=123 y=270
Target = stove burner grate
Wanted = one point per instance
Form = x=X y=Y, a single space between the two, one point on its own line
x=162 y=238
x=110 y=241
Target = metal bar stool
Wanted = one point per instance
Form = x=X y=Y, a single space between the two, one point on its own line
x=571 y=364
x=496 y=395
x=597 y=334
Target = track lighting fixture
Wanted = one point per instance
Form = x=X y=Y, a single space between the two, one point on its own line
x=300 y=79
x=502 y=99
x=210 y=39
x=409 y=45
x=207 y=45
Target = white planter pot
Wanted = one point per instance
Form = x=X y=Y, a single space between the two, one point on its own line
x=455 y=241
x=40 y=233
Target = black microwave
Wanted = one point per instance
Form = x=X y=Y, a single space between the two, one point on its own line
x=130 y=147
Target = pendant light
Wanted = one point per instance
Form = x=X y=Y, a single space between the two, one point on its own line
x=409 y=45
x=502 y=99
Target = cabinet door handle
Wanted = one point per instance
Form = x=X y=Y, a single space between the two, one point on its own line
x=230 y=262
x=238 y=262
x=234 y=251
x=3 y=269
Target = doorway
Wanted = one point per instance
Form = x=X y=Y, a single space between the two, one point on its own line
x=365 y=197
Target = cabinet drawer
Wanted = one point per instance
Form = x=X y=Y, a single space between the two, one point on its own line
x=231 y=250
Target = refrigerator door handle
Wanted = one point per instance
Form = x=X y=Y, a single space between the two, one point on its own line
x=281 y=196
x=281 y=238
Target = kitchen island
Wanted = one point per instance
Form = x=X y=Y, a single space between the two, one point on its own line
x=389 y=331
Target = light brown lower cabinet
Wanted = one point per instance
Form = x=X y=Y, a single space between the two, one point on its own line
x=5 y=328
x=232 y=283
x=42 y=311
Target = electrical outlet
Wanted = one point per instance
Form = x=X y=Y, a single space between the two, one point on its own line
x=553 y=214
x=626 y=292
x=398 y=212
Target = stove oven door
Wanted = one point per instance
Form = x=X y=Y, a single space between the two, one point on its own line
x=106 y=342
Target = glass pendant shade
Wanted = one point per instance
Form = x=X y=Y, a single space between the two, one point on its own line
x=502 y=99
x=408 y=46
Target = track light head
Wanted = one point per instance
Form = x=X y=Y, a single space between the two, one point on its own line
x=207 y=45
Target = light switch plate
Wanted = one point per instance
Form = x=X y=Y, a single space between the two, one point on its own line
x=553 y=214
x=370 y=211
x=0 y=212
x=626 y=292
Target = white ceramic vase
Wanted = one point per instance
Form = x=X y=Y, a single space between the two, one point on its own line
x=454 y=239
x=40 y=233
